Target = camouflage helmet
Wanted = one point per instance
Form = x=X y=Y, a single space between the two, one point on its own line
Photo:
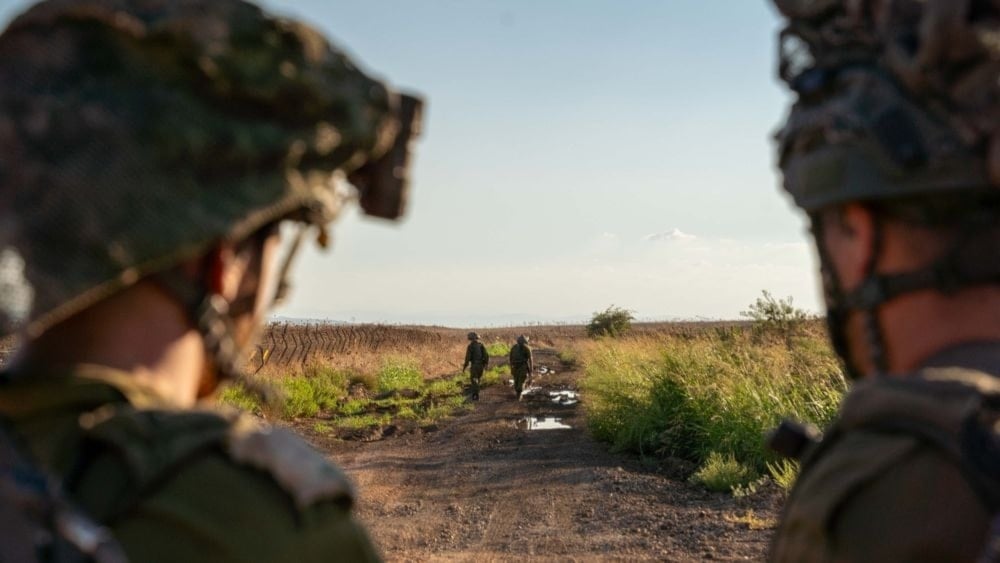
x=473 y=336
x=896 y=98
x=522 y=339
x=137 y=133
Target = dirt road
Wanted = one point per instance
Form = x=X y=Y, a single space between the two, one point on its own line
x=487 y=486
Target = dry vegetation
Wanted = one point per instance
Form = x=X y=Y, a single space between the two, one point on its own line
x=289 y=348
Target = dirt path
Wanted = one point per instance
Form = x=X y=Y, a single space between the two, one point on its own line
x=484 y=487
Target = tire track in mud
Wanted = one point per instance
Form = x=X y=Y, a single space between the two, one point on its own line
x=483 y=488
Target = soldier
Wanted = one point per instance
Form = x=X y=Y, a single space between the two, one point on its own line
x=476 y=360
x=521 y=365
x=893 y=151
x=150 y=152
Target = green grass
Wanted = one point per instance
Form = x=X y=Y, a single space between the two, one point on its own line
x=320 y=390
x=397 y=374
x=692 y=398
x=722 y=473
x=569 y=357
x=240 y=397
x=498 y=349
x=495 y=375
x=784 y=472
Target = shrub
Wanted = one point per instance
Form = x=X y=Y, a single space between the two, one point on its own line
x=613 y=321
x=778 y=317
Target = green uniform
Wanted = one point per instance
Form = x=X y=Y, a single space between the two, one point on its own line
x=520 y=365
x=193 y=485
x=891 y=481
x=476 y=359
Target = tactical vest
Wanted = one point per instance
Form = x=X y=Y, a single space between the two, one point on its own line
x=37 y=523
x=955 y=411
x=519 y=355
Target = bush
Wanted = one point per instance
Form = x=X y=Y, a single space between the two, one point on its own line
x=776 y=317
x=613 y=321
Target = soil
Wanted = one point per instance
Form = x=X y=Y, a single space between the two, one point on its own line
x=483 y=486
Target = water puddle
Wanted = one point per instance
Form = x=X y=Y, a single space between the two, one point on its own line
x=542 y=423
x=565 y=398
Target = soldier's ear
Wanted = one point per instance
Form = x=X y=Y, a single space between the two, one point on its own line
x=848 y=234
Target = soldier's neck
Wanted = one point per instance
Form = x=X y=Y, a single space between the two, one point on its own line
x=140 y=331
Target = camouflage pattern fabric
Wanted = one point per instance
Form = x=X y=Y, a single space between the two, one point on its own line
x=896 y=98
x=520 y=365
x=184 y=485
x=475 y=377
x=904 y=474
x=136 y=133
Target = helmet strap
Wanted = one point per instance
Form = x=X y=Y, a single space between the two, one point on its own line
x=210 y=314
x=837 y=311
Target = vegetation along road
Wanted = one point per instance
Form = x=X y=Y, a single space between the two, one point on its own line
x=488 y=486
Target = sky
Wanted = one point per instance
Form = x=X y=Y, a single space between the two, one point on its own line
x=576 y=154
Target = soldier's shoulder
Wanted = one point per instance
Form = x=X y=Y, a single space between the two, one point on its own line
x=249 y=491
x=155 y=443
x=890 y=465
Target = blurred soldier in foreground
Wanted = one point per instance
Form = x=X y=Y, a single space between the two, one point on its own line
x=149 y=152
x=893 y=151
x=476 y=360
x=521 y=365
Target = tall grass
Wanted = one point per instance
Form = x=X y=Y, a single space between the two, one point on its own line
x=714 y=394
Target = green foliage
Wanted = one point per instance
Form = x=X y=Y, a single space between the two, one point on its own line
x=613 y=322
x=398 y=373
x=568 y=357
x=723 y=473
x=444 y=387
x=775 y=317
x=238 y=396
x=352 y=407
x=494 y=375
x=362 y=421
x=498 y=349
x=690 y=398
x=318 y=389
x=784 y=472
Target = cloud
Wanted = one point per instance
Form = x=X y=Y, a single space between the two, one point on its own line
x=675 y=235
